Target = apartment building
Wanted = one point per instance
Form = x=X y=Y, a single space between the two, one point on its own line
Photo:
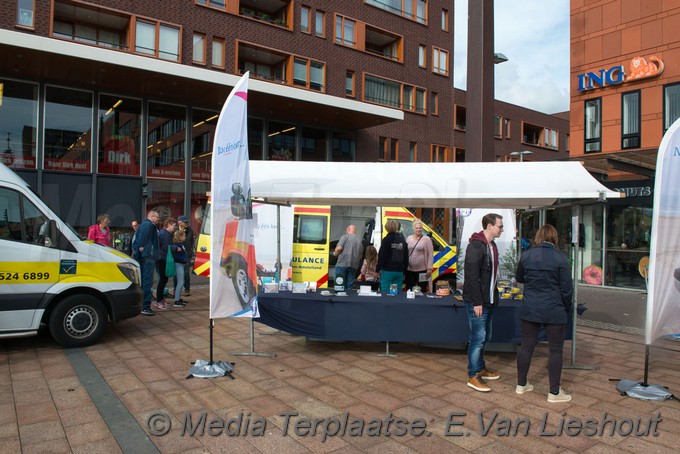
x=625 y=94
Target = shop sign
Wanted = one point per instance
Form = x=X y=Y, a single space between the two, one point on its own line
x=639 y=68
x=638 y=191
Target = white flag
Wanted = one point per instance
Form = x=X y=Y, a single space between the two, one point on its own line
x=233 y=275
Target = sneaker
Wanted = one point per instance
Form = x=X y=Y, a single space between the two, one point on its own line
x=162 y=305
x=486 y=374
x=148 y=312
x=187 y=293
x=560 y=397
x=478 y=384
x=179 y=303
x=524 y=389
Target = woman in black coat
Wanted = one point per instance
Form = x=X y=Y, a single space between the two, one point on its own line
x=548 y=289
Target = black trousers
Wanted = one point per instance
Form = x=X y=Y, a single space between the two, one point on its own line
x=555 y=335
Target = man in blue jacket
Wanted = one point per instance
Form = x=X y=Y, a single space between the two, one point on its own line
x=145 y=250
x=481 y=297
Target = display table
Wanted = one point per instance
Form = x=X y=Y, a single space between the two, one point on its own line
x=382 y=318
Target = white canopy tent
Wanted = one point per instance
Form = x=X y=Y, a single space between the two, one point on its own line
x=431 y=185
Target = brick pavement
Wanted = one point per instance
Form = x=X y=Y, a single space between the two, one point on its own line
x=45 y=407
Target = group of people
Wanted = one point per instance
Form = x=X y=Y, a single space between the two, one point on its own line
x=150 y=244
x=547 y=301
x=400 y=260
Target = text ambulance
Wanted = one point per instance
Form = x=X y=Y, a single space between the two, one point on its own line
x=49 y=275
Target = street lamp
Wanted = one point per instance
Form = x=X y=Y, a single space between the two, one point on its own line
x=521 y=154
x=499 y=58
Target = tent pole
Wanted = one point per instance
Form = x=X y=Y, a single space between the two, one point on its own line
x=644 y=380
x=212 y=326
x=578 y=209
x=252 y=351
x=387 y=351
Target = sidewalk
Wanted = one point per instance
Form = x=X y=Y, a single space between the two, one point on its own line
x=119 y=395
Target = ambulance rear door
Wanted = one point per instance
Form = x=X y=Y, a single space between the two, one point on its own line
x=311 y=244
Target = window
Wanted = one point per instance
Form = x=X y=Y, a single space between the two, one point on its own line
x=271 y=12
x=630 y=120
x=394 y=94
x=203 y=126
x=422 y=56
x=21 y=220
x=349 y=83
x=445 y=20
x=308 y=74
x=25 y=10
x=394 y=150
x=281 y=141
x=506 y=128
x=671 y=105
x=459 y=117
x=305 y=14
x=440 y=153
x=382 y=43
x=19 y=120
x=343 y=146
x=434 y=103
x=313 y=144
x=440 y=61
x=214 y=3
x=91 y=24
x=166 y=139
x=167 y=47
x=497 y=131
x=319 y=24
x=550 y=138
x=411 y=9
x=218 y=52
x=199 y=48
x=309 y=229
x=412 y=152
x=345 y=31
x=262 y=63
x=120 y=130
x=68 y=129
x=593 y=125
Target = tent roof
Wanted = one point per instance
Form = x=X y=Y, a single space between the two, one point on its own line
x=431 y=185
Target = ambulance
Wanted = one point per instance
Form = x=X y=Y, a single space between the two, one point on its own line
x=50 y=276
x=317 y=229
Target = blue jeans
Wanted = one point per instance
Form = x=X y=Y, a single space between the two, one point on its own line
x=480 y=334
x=148 y=266
x=348 y=275
x=179 y=280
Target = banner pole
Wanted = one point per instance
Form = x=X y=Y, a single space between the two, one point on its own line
x=252 y=351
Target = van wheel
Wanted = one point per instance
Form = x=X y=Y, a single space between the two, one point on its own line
x=242 y=284
x=78 y=320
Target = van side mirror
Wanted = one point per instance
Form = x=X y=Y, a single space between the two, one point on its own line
x=50 y=235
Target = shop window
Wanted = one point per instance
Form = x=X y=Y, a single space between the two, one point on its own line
x=25 y=13
x=255 y=138
x=166 y=197
x=166 y=144
x=218 y=53
x=343 y=147
x=199 y=49
x=671 y=105
x=120 y=129
x=281 y=141
x=68 y=129
x=593 y=125
x=203 y=126
x=312 y=144
x=19 y=120
x=630 y=120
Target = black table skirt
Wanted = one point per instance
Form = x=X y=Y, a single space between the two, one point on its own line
x=380 y=319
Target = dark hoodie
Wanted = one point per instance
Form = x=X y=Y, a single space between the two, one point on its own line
x=479 y=286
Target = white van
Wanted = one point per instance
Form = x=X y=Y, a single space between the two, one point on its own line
x=49 y=275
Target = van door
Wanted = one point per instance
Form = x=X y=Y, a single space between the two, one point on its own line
x=311 y=244
x=28 y=268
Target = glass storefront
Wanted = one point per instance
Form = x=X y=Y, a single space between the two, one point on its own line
x=166 y=140
x=19 y=120
x=120 y=134
x=68 y=129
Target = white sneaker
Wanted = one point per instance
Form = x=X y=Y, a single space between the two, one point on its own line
x=560 y=397
x=524 y=389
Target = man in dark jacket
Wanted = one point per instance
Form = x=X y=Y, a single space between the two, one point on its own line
x=145 y=250
x=481 y=297
x=190 y=247
x=392 y=258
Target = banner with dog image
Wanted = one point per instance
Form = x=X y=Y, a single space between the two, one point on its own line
x=663 y=293
x=233 y=273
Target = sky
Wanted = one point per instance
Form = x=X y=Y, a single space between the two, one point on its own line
x=534 y=35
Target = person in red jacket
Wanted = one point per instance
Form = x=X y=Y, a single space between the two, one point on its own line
x=99 y=232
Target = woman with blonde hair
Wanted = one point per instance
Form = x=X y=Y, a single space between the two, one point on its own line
x=548 y=289
x=420 y=257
